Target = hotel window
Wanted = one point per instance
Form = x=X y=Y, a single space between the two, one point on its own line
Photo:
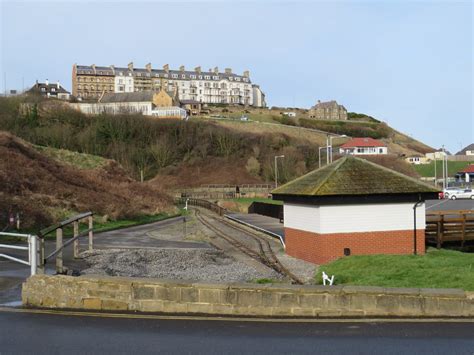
x=183 y=76
x=193 y=76
x=207 y=77
x=174 y=76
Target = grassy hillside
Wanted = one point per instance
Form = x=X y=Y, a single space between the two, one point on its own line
x=428 y=170
x=176 y=153
x=75 y=159
x=44 y=190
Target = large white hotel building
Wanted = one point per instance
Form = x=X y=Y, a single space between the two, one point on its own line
x=90 y=82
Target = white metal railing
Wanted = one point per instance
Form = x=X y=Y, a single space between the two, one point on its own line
x=32 y=249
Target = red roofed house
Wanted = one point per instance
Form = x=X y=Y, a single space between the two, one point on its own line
x=363 y=146
x=467 y=174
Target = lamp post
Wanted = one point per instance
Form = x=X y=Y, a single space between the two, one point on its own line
x=276 y=169
x=330 y=144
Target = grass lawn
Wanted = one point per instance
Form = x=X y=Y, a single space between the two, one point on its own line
x=78 y=160
x=427 y=170
x=436 y=269
x=249 y=200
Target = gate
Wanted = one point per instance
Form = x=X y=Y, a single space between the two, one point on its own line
x=32 y=249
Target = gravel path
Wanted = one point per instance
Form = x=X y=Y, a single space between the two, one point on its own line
x=184 y=264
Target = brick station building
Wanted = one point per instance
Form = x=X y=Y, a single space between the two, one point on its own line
x=353 y=207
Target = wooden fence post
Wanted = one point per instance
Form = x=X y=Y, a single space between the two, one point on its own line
x=76 y=242
x=59 y=255
x=41 y=257
x=91 y=233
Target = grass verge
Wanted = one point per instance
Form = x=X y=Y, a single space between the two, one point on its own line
x=428 y=170
x=436 y=269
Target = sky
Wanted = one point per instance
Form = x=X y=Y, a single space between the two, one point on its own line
x=408 y=63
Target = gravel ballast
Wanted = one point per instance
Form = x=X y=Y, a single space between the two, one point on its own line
x=183 y=264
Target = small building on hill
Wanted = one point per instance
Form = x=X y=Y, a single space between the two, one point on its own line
x=466 y=174
x=50 y=90
x=328 y=111
x=353 y=207
x=363 y=146
x=469 y=150
x=417 y=159
x=162 y=104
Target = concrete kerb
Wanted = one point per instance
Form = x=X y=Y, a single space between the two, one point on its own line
x=102 y=293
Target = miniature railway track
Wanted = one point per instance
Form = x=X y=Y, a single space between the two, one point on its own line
x=265 y=253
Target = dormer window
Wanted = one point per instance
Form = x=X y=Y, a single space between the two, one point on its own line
x=215 y=77
x=193 y=76
x=43 y=89
x=200 y=76
x=183 y=76
x=157 y=75
x=166 y=75
x=207 y=77
x=237 y=78
x=53 y=89
x=121 y=73
x=231 y=78
x=174 y=76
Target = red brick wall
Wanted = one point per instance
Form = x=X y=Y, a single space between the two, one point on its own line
x=323 y=248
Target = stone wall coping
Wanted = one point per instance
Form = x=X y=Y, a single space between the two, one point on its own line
x=306 y=289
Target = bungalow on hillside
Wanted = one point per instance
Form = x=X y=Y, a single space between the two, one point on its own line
x=416 y=159
x=469 y=150
x=363 y=146
x=353 y=207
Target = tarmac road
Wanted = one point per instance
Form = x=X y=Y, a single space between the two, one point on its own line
x=61 y=334
x=13 y=274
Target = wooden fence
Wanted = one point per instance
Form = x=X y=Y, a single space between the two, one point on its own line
x=202 y=203
x=449 y=227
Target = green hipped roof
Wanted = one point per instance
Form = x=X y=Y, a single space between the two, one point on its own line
x=353 y=176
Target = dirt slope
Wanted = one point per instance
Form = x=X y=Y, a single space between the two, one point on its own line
x=43 y=190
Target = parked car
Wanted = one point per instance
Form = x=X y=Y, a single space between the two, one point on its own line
x=447 y=192
x=464 y=193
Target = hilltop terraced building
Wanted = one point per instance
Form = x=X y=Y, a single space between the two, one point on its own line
x=90 y=82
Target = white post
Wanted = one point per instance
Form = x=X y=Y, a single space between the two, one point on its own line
x=327 y=149
x=276 y=173
x=33 y=248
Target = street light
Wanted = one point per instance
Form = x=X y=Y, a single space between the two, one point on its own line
x=276 y=169
x=330 y=138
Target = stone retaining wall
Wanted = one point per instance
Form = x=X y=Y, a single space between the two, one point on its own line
x=165 y=296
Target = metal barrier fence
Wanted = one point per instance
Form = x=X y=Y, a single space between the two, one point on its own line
x=267 y=209
x=32 y=249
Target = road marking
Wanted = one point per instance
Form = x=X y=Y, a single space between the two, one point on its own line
x=233 y=319
x=437 y=204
